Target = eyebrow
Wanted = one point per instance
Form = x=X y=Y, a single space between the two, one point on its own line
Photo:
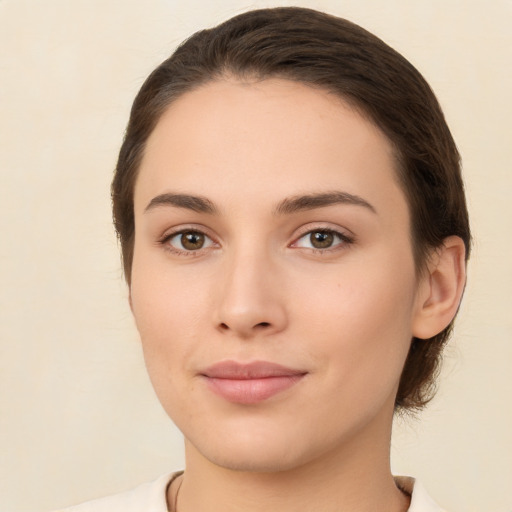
x=287 y=206
x=320 y=200
x=195 y=203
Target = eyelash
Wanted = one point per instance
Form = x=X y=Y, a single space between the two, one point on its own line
x=343 y=241
x=165 y=242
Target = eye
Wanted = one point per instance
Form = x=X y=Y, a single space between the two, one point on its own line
x=322 y=239
x=188 y=241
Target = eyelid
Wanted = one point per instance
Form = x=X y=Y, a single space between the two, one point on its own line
x=164 y=239
x=345 y=235
x=323 y=226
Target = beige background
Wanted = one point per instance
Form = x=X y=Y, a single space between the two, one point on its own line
x=77 y=416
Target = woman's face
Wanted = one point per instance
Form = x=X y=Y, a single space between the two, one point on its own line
x=273 y=280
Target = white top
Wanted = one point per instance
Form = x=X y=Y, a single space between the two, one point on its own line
x=151 y=497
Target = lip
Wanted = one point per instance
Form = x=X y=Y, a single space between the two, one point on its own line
x=250 y=383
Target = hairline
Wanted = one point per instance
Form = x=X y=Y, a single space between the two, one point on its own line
x=250 y=77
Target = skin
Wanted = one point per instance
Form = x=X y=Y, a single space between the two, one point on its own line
x=258 y=290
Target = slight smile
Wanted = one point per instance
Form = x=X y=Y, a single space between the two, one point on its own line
x=250 y=383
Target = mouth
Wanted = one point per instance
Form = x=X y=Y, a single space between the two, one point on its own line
x=250 y=383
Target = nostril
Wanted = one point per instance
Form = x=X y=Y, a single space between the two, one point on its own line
x=223 y=326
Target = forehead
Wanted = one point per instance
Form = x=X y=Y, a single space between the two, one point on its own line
x=268 y=138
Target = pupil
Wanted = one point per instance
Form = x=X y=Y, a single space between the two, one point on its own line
x=192 y=240
x=321 y=239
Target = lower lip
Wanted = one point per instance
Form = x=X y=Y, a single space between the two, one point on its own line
x=251 y=391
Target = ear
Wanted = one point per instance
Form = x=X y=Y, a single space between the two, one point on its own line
x=440 y=289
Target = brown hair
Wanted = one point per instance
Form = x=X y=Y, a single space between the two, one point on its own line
x=336 y=55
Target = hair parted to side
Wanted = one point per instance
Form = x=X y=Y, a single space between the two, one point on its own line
x=338 y=56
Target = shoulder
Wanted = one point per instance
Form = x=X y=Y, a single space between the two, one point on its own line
x=148 y=497
x=420 y=499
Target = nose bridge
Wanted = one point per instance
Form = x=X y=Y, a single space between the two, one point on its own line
x=249 y=299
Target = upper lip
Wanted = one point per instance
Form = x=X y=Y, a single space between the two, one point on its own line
x=246 y=371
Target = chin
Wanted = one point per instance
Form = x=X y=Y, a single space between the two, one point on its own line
x=254 y=459
x=257 y=450
x=243 y=465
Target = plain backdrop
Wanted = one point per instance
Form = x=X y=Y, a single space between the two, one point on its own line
x=78 y=418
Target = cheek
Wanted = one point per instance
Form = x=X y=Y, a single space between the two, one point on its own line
x=168 y=309
x=165 y=298
x=361 y=322
x=167 y=328
x=368 y=295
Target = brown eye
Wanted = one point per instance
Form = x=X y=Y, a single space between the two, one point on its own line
x=188 y=241
x=192 y=240
x=321 y=239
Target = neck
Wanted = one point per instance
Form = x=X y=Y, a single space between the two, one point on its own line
x=356 y=477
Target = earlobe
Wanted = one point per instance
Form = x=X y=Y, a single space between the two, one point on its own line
x=441 y=289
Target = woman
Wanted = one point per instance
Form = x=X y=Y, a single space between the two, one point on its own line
x=294 y=235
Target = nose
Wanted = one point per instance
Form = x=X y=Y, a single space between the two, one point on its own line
x=250 y=298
